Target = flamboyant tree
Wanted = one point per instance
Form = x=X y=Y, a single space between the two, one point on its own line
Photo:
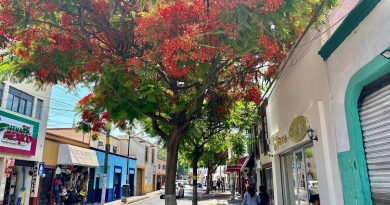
x=163 y=60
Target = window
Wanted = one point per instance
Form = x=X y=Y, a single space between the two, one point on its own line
x=146 y=153
x=1 y=92
x=152 y=156
x=100 y=144
x=164 y=167
x=159 y=166
x=20 y=102
x=38 y=110
x=115 y=149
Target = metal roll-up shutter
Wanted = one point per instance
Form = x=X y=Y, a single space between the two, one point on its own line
x=374 y=111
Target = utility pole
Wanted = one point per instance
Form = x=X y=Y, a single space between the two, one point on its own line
x=104 y=185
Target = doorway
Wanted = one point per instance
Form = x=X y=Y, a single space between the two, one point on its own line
x=299 y=176
x=139 y=182
x=98 y=191
x=46 y=184
x=131 y=181
x=117 y=185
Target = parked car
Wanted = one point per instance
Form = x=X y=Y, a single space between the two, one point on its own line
x=179 y=191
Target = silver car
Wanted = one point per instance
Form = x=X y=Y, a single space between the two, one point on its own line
x=179 y=191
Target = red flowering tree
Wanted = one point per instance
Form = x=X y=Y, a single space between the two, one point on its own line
x=163 y=61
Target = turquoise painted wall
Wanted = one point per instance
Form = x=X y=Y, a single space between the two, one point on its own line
x=352 y=164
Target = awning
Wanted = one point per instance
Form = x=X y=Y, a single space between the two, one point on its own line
x=237 y=167
x=72 y=155
x=249 y=162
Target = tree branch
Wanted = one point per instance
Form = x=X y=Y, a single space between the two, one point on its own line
x=159 y=131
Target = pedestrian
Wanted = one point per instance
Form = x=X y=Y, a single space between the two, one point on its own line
x=219 y=184
x=250 y=196
x=263 y=195
x=57 y=190
x=223 y=185
x=315 y=199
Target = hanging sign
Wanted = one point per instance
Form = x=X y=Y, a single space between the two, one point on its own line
x=9 y=164
x=41 y=167
x=17 y=135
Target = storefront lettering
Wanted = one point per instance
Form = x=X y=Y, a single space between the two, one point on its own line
x=296 y=132
x=81 y=154
x=34 y=178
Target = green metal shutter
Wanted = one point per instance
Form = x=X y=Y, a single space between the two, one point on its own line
x=374 y=111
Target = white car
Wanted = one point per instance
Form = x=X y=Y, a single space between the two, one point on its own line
x=179 y=191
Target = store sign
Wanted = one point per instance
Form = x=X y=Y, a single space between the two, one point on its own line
x=17 y=135
x=34 y=178
x=298 y=129
x=296 y=132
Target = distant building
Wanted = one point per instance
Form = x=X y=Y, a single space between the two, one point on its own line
x=161 y=172
x=23 y=121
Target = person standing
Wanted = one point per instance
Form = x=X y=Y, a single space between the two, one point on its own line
x=219 y=184
x=57 y=190
x=263 y=195
x=223 y=185
x=250 y=196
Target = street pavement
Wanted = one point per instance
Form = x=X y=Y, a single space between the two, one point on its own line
x=214 y=198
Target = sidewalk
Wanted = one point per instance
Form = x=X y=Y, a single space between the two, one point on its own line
x=219 y=198
x=135 y=198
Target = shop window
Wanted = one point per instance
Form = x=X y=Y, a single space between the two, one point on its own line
x=146 y=153
x=299 y=176
x=153 y=156
x=38 y=110
x=1 y=92
x=19 y=102
x=115 y=149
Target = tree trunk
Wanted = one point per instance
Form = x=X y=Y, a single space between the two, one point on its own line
x=195 y=181
x=172 y=154
x=209 y=180
x=104 y=185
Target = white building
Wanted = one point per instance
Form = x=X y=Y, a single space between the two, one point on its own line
x=146 y=155
x=298 y=102
x=23 y=121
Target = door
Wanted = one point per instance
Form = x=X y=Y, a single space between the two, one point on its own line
x=98 y=191
x=299 y=177
x=117 y=185
x=131 y=181
x=91 y=191
x=374 y=113
x=139 y=182
x=46 y=187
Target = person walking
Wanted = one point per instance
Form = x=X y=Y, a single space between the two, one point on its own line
x=223 y=185
x=219 y=184
x=250 y=196
x=264 y=197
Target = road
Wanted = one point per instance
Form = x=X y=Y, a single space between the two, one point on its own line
x=157 y=201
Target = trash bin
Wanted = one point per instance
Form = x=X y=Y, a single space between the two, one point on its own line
x=126 y=190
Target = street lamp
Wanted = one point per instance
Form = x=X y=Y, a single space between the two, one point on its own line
x=310 y=133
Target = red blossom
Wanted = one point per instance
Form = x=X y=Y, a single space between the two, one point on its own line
x=271 y=5
x=253 y=94
x=85 y=100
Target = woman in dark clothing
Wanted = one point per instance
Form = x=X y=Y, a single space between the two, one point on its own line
x=263 y=195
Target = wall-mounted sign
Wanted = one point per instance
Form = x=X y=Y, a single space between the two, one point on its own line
x=17 y=135
x=9 y=164
x=298 y=129
x=296 y=132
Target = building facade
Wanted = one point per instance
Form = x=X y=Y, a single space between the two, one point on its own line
x=67 y=158
x=23 y=120
x=161 y=172
x=146 y=165
x=357 y=57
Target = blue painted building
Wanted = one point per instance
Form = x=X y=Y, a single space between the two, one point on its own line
x=116 y=176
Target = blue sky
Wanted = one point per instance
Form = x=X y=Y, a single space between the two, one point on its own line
x=62 y=110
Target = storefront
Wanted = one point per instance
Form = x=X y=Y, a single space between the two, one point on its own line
x=72 y=173
x=116 y=176
x=18 y=141
x=299 y=175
